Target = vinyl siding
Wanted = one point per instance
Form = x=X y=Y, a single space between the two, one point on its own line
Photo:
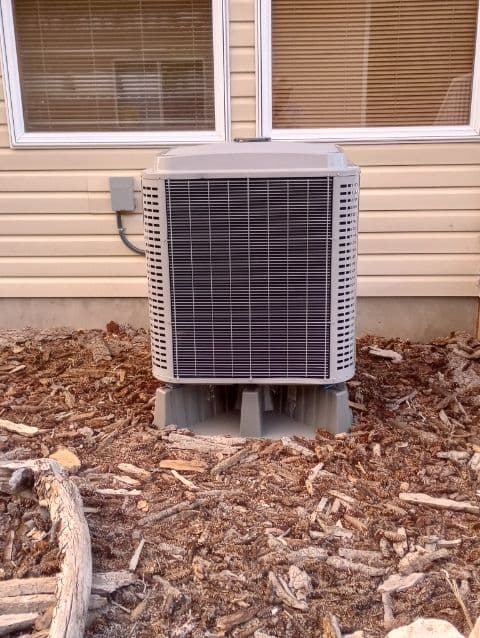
x=419 y=220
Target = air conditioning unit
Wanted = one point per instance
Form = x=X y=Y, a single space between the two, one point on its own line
x=251 y=253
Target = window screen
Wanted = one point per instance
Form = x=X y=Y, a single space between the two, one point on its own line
x=106 y=65
x=361 y=63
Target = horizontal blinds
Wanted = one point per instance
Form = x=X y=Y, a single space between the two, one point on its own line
x=110 y=65
x=367 y=63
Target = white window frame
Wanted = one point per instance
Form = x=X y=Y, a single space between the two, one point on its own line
x=357 y=134
x=19 y=138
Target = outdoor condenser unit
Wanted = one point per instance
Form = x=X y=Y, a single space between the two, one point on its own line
x=251 y=253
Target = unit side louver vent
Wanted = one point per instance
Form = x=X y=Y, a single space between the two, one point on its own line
x=151 y=208
x=250 y=276
x=347 y=274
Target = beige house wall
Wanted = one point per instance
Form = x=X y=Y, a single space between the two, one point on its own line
x=419 y=220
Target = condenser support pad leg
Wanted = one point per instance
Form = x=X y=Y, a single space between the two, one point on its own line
x=184 y=405
x=251 y=413
x=335 y=414
x=342 y=413
x=323 y=407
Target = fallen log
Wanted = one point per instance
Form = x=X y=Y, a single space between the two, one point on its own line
x=15 y=622
x=102 y=583
x=28 y=603
x=28 y=586
x=66 y=512
x=36 y=603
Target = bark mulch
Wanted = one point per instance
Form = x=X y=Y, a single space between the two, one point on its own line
x=259 y=537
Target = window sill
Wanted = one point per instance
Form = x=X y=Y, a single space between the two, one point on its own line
x=113 y=140
x=378 y=135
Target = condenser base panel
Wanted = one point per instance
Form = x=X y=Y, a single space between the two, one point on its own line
x=254 y=411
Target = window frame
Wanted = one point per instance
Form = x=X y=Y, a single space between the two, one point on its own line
x=357 y=134
x=19 y=138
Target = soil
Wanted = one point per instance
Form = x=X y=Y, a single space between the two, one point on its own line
x=216 y=565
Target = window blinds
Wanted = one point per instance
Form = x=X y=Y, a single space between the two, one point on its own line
x=110 y=65
x=361 y=63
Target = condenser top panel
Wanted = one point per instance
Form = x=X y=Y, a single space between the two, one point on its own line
x=251 y=159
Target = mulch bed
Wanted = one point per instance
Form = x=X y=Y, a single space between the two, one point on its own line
x=261 y=547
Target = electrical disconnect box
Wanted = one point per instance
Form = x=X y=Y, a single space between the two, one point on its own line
x=122 y=193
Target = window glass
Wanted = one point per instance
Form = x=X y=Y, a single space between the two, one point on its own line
x=110 y=65
x=370 y=63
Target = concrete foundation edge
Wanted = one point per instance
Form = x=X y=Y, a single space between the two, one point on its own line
x=416 y=318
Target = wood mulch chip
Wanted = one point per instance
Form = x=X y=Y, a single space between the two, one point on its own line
x=359 y=532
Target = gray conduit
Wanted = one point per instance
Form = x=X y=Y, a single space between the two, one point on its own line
x=123 y=236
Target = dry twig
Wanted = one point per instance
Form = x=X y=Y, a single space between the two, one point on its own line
x=171 y=511
x=453 y=586
x=133 y=564
x=440 y=503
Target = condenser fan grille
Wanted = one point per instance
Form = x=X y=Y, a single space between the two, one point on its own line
x=250 y=276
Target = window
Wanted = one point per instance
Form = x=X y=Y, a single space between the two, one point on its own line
x=368 y=69
x=104 y=72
